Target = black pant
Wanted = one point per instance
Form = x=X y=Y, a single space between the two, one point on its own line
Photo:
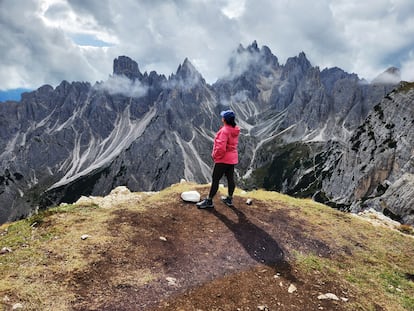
x=219 y=170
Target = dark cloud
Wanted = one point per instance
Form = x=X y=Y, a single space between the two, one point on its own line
x=101 y=10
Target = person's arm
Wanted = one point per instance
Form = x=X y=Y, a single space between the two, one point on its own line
x=220 y=145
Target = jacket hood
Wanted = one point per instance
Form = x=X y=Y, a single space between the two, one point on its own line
x=234 y=131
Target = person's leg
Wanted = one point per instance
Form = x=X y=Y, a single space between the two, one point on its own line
x=230 y=185
x=218 y=172
x=230 y=180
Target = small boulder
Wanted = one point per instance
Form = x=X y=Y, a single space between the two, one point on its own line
x=120 y=190
x=191 y=196
x=84 y=201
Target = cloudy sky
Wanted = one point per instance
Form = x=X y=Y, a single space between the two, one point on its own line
x=47 y=41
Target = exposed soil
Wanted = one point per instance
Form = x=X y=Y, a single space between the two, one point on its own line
x=224 y=258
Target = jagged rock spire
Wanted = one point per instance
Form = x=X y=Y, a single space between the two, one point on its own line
x=187 y=70
x=187 y=74
x=123 y=65
x=252 y=58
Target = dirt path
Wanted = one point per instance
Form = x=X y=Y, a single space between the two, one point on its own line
x=220 y=259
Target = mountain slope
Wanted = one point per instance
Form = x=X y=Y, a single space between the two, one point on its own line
x=379 y=160
x=146 y=131
x=373 y=168
x=152 y=251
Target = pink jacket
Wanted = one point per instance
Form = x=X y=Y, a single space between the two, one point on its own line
x=225 y=145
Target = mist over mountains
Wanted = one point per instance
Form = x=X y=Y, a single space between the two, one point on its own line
x=300 y=128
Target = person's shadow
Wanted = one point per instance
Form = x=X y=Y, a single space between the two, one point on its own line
x=258 y=243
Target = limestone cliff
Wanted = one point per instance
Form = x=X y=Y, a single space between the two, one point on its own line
x=377 y=166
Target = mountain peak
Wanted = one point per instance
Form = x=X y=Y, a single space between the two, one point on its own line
x=390 y=76
x=268 y=56
x=186 y=65
x=187 y=70
x=302 y=56
x=300 y=61
x=252 y=59
x=123 y=65
x=253 y=47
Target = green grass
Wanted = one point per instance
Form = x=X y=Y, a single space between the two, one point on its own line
x=45 y=247
x=406 y=86
x=375 y=263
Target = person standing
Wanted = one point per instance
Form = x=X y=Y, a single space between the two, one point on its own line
x=225 y=157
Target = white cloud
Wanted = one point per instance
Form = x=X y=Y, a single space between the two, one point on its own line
x=234 y=8
x=44 y=41
x=375 y=33
x=182 y=84
x=240 y=96
x=119 y=84
x=36 y=54
x=61 y=14
x=407 y=68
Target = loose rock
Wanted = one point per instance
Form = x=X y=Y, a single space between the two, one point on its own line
x=292 y=288
x=5 y=250
x=171 y=281
x=17 y=306
x=85 y=236
x=328 y=296
x=191 y=196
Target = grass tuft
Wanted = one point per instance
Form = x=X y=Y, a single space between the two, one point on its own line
x=407 y=229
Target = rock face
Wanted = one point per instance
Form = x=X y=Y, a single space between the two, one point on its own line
x=146 y=131
x=123 y=65
x=376 y=169
x=79 y=139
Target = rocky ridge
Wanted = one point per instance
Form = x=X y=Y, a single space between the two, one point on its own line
x=146 y=131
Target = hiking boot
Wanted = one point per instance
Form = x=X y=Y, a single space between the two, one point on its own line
x=206 y=203
x=227 y=200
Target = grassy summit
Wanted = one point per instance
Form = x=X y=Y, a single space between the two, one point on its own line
x=153 y=251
